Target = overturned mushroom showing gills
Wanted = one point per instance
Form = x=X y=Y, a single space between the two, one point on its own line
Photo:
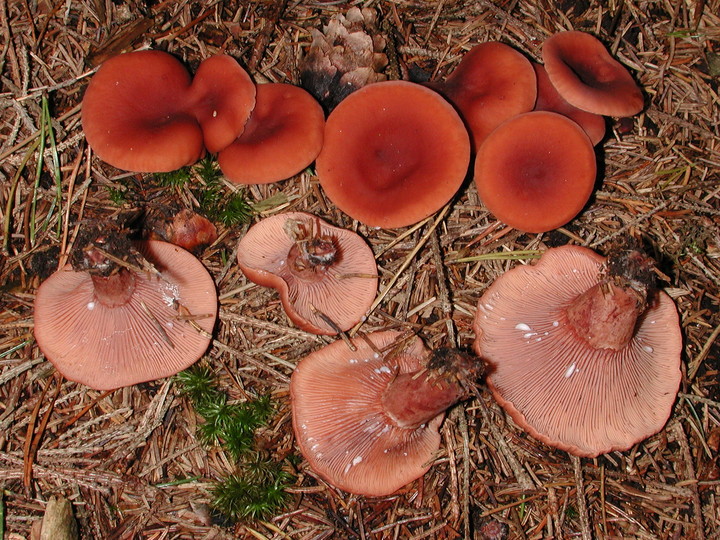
x=536 y=171
x=580 y=353
x=134 y=113
x=394 y=153
x=129 y=326
x=492 y=83
x=586 y=76
x=283 y=135
x=367 y=421
x=326 y=275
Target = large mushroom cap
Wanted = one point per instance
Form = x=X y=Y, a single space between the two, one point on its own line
x=283 y=135
x=326 y=275
x=394 y=153
x=134 y=115
x=536 y=171
x=584 y=73
x=552 y=382
x=340 y=424
x=492 y=83
x=222 y=96
x=548 y=99
x=162 y=328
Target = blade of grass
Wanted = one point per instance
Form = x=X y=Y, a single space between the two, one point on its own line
x=55 y=165
x=38 y=173
x=502 y=256
x=11 y=196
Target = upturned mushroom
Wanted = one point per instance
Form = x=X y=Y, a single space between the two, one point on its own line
x=394 y=153
x=586 y=76
x=536 y=171
x=582 y=352
x=367 y=420
x=326 y=275
x=283 y=135
x=134 y=113
x=108 y=322
x=492 y=83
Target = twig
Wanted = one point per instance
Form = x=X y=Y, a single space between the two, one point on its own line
x=580 y=497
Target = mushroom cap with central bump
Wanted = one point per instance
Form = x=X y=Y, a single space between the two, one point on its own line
x=283 y=135
x=326 y=275
x=551 y=376
x=161 y=325
x=586 y=76
x=536 y=171
x=340 y=423
x=394 y=153
x=134 y=113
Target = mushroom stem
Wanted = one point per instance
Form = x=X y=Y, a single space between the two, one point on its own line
x=605 y=316
x=413 y=399
x=114 y=290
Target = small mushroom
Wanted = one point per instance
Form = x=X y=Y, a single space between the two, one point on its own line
x=134 y=113
x=582 y=352
x=283 y=135
x=587 y=77
x=112 y=325
x=394 y=153
x=221 y=98
x=492 y=83
x=536 y=171
x=367 y=420
x=548 y=99
x=326 y=276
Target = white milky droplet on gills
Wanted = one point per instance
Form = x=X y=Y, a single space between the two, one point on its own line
x=523 y=327
x=648 y=349
x=571 y=369
x=91 y=305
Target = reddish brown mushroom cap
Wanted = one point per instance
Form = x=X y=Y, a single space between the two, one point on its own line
x=162 y=326
x=584 y=73
x=548 y=99
x=323 y=273
x=133 y=113
x=536 y=171
x=283 y=136
x=394 y=153
x=492 y=82
x=552 y=382
x=341 y=426
x=222 y=96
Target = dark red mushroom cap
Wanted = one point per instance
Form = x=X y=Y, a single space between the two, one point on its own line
x=283 y=135
x=552 y=378
x=394 y=153
x=134 y=117
x=326 y=275
x=130 y=327
x=492 y=82
x=536 y=171
x=222 y=96
x=548 y=99
x=586 y=76
x=347 y=424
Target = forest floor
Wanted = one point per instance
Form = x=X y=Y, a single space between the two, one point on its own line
x=131 y=462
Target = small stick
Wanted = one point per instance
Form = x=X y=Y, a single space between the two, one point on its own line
x=157 y=324
x=580 y=497
x=334 y=326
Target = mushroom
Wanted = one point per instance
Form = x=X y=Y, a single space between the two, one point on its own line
x=582 y=353
x=283 y=135
x=326 y=276
x=492 y=82
x=114 y=325
x=394 y=153
x=548 y=99
x=367 y=420
x=536 y=171
x=586 y=76
x=222 y=96
x=134 y=113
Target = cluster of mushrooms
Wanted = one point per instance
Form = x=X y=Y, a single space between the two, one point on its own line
x=582 y=351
